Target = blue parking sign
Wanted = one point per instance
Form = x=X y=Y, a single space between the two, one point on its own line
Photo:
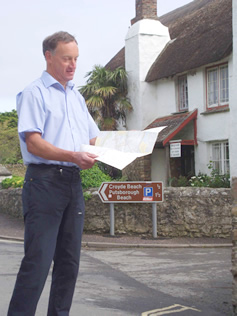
x=148 y=191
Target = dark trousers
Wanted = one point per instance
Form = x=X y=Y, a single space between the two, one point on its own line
x=53 y=207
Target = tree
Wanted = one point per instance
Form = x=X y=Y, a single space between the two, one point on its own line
x=106 y=96
x=9 y=141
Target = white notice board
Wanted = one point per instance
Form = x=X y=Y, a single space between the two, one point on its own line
x=175 y=150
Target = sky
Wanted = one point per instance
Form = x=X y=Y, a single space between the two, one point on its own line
x=100 y=27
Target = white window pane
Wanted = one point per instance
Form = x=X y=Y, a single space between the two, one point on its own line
x=226 y=158
x=224 y=84
x=216 y=151
x=220 y=157
x=218 y=86
x=183 y=93
x=212 y=87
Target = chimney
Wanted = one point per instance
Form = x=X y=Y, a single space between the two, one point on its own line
x=145 y=9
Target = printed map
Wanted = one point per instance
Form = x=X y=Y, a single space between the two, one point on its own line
x=120 y=148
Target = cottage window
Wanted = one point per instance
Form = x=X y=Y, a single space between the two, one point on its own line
x=217 y=86
x=183 y=93
x=220 y=157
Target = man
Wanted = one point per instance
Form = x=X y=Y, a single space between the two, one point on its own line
x=53 y=123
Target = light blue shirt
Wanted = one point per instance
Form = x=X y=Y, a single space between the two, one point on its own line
x=60 y=115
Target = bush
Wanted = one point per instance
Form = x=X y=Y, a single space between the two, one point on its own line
x=14 y=182
x=215 y=180
x=93 y=177
x=87 y=196
x=179 y=182
x=201 y=180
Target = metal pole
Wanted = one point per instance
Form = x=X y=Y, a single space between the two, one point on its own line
x=111 y=207
x=154 y=220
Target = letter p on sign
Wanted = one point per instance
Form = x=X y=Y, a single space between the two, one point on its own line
x=148 y=191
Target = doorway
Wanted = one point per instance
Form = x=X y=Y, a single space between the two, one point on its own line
x=184 y=165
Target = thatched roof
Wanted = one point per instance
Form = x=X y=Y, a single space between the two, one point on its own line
x=200 y=37
x=201 y=33
x=117 y=61
x=174 y=123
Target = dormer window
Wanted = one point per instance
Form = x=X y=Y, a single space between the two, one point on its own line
x=183 y=93
x=217 y=86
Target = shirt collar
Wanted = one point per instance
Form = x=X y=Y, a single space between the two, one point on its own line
x=48 y=81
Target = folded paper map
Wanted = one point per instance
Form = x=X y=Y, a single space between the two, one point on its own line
x=119 y=148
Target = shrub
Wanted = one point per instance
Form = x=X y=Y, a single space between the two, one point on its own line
x=15 y=182
x=87 y=196
x=179 y=182
x=215 y=180
x=93 y=177
x=201 y=180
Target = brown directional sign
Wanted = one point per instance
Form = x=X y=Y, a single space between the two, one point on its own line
x=129 y=192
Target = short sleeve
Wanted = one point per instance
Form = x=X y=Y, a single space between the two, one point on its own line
x=31 y=114
x=93 y=128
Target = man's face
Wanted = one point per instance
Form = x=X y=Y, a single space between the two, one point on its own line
x=61 y=64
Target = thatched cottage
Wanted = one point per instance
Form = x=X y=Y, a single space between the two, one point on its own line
x=180 y=75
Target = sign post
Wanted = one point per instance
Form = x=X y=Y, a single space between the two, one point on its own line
x=154 y=220
x=111 y=208
x=132 y=192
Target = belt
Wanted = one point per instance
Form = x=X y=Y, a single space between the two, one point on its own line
x=52 y=166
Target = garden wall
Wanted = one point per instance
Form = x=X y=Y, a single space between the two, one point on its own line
x=190 y=212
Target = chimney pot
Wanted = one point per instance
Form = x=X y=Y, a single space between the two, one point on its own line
x=145 y=9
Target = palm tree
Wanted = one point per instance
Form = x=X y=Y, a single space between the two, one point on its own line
x=105 y=93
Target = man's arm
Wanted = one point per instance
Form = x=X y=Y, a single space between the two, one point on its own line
x=37 y=146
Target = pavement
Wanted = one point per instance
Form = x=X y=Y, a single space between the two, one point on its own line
x=132 y=275
x=12 y=228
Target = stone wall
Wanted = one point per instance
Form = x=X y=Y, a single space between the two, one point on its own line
x=139 y=170
x=191 y=212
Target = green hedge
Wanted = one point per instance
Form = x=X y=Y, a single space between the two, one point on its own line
x=14 y=182
x=93 y=177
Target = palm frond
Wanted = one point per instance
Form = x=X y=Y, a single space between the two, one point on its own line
x=106 y=92
x=106 y=95
x=95 y=101
x=124 y=104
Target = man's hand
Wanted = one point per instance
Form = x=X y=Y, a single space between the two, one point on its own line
x=37 y=146
x=84 y=160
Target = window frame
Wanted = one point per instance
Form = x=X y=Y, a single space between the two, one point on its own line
x=222 y=162
x=180 y=80
x=220 y=83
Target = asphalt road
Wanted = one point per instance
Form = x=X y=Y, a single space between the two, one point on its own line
x=137 y=281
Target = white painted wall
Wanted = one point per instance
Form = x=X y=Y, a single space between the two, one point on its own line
x=233 y=98
x=201 y=157
x=166 y=97
x=144 y=42
x=196 y=90
x=158 y=99
x=158 y=161
x=211 y=127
